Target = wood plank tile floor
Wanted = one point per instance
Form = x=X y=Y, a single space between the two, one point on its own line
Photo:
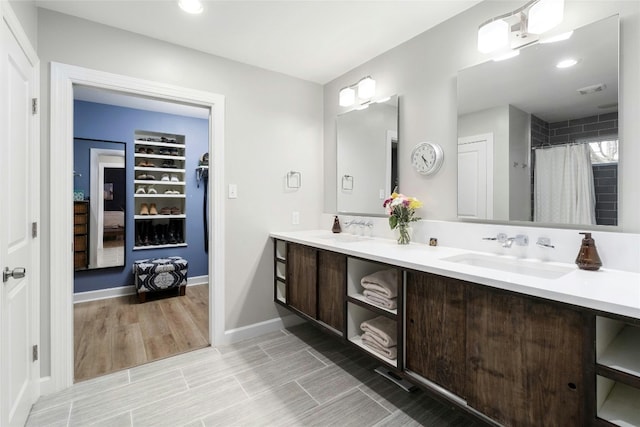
x=295 y=377
x=119 y=333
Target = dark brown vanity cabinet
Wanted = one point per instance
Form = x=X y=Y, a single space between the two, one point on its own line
x=316 y=284
x=436 y=330
x=526 y=359
x=331 y=288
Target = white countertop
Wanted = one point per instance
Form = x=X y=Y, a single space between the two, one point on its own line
x=612 y=291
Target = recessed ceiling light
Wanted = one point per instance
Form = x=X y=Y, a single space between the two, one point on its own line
x=191 y=6
x=566 y=63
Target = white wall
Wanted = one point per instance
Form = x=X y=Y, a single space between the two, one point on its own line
x=273 y=125
x=423 y=72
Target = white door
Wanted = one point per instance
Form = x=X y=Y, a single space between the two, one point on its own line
x=475 y=177
x=19 y=373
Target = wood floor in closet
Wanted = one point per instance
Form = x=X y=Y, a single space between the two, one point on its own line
x=119 y=333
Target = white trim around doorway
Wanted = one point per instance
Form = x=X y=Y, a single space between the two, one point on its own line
x=63 y=77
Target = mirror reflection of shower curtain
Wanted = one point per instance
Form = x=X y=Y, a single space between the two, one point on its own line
x=564 y=191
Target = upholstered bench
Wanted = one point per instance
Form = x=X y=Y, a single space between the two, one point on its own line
x=160 y=274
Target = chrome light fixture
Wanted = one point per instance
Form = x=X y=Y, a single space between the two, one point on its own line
x=366 y=90
x=515 y=29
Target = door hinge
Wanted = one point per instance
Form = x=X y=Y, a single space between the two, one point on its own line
x=34 y=230
x=35 y=352
x=34 y=106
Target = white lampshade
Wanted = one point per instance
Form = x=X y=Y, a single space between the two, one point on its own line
x=366 y=88
x=347 y=97
x=493 y=36
x=545 y=15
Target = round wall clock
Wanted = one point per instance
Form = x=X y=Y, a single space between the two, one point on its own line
x=427 y=157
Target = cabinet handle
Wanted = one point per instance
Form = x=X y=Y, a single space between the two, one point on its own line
x=572 y=386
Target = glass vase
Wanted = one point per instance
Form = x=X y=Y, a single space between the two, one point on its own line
x=404 y=236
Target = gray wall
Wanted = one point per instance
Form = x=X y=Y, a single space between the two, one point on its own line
x=27 y=14
x=273 y=124
x=423 y=72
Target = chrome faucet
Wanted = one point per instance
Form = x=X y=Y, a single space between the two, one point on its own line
x=520 y=239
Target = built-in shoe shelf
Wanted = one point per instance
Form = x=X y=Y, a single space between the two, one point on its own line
x=160 y=203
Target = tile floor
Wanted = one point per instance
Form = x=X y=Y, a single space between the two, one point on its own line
x=299 y=376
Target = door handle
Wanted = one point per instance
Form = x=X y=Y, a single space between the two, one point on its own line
x=16 y=273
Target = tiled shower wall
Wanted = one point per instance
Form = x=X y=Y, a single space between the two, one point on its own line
x=605 y=176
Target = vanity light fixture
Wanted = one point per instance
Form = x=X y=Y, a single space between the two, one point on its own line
x=347 y=97
x=366 y=90
x=191 y=6
x=516 y=27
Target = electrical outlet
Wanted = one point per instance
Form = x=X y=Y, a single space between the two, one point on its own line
x=295 y=218
x=233 y=191
x=382 y=194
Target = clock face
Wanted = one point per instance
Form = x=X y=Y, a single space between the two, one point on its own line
x=426 y=158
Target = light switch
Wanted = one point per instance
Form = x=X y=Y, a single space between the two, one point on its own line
x=382 y=194
x=233 y=191
x=295 y=218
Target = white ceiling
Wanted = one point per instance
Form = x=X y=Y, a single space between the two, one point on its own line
x=313 y=40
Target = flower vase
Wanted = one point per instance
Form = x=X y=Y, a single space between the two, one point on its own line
x=404 y=236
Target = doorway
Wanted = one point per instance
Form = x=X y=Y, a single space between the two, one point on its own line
x=63 y=78
x=112 y=331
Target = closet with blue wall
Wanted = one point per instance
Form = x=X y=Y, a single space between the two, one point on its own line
x=95 y=122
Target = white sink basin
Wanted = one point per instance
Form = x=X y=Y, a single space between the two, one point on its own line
x=511 y=265
x=343 y=238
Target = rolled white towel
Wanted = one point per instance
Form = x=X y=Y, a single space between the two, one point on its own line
x=371 y=343
x=383 y=329
x=379 y=300
x=385 y=282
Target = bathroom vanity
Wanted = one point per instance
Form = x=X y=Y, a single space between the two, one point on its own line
x=515 y=342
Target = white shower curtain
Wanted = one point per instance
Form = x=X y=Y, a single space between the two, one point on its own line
x=563 y=187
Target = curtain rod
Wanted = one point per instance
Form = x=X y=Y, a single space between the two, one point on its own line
x=564 y=144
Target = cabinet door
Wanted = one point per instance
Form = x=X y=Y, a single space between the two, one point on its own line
x=332 y=276
x=526 y=364
x=302 y=278
x=435 y=330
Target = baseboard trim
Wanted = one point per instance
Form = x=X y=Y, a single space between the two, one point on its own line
x=261 y=328
x=126 y=290
x=46 y=386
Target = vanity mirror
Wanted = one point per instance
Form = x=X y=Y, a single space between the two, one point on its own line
x=367 y=143
x=99 y=174
x=517 y=118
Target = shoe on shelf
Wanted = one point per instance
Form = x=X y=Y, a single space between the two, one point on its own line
x=175 y=211
x=174 y=178
x=150 y=165
x=142 y=150
x=165 y=211
x=165 y=177
x=173 y=151
x=142 y=176
x=164 y=151
x=141 y=190
x=153 y=210
x=150 y=178
x=142 y=164
x=144 y=209
x=149 y=151
x=151 y=190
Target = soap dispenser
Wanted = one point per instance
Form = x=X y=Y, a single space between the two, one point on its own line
x=588 y=258
x=336 y=225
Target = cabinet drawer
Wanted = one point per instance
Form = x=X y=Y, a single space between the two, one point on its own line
x=80 y=243
x=80 y=219
x=80 y=208
x=80 y=259
x=80 y=228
